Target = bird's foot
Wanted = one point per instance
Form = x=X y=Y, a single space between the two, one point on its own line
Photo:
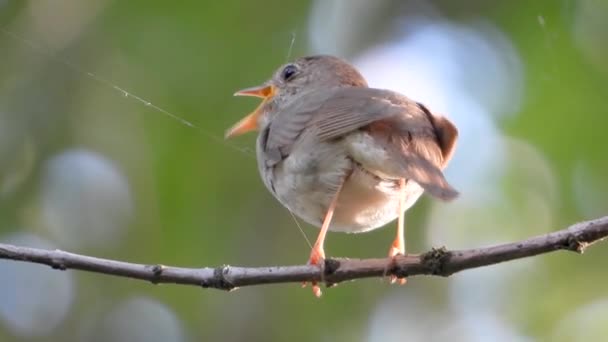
x=395 y=250
x=317 y=257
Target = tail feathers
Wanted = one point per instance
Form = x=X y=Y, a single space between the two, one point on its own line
x=443 y=190
x=428 y=176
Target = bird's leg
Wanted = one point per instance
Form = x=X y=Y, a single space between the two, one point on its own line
x=398 y=246
x=317 y=255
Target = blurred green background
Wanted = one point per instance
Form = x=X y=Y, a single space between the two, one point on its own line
x=87 y=169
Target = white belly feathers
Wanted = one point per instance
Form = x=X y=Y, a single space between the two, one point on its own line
x=306 y=181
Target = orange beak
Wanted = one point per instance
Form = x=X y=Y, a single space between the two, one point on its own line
x=250 y=122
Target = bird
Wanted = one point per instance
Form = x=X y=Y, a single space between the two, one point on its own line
x=344 y=156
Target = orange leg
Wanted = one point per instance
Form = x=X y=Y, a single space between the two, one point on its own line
x=317 y=255
x=398 y=246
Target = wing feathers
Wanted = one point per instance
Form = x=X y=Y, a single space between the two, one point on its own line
x=392 y=135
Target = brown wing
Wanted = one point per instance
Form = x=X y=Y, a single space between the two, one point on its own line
x=287 y=126
x=393 y=151
x=327 y=114
x=402 y=140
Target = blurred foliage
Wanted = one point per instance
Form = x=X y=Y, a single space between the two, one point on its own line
x=198 y=200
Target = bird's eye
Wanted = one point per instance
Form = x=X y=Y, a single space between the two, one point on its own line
x=289 y=71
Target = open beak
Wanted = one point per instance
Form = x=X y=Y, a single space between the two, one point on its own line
x=250 y=122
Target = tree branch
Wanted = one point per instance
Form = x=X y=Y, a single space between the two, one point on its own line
x=439 y=262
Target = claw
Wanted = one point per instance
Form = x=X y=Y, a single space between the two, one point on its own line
x=316 y=290
x=317 y=257
x=393 y=252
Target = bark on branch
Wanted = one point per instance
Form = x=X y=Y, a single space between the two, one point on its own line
x=439 y=262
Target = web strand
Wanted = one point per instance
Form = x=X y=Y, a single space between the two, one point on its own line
x=295 y=219
x=38 y=48
x=291 y=44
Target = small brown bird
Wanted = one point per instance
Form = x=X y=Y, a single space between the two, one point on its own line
x=344 y=156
